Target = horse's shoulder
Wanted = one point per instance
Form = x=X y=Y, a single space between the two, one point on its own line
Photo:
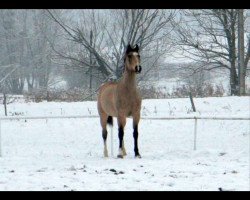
x=106 y=85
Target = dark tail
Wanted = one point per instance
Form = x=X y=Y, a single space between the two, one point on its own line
x=110 y=120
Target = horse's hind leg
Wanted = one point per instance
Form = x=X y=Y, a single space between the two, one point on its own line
x=104 y=136
x=104 y=118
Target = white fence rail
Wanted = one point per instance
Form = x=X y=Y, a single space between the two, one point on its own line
x=195 y=118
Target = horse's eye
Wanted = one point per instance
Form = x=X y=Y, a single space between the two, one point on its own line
x=129 y=56
x=138 y=56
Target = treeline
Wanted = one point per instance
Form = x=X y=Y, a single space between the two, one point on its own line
x=47 y=50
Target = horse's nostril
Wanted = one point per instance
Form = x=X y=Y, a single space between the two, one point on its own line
x=140 y=68
x=137 y=68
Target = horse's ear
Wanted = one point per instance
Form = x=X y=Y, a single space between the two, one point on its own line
x=129 y=48
x=136 y=48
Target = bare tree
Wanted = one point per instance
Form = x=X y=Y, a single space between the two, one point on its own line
x=39 y=40
x=27 y=36
x=209 y=37
x=111 y=31
x=12 y=50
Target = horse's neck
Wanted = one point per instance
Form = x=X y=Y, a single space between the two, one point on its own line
x=129 y=80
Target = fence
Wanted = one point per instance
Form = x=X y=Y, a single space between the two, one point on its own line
x=195 y=118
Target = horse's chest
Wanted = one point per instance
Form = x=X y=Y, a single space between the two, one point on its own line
x=128 y=105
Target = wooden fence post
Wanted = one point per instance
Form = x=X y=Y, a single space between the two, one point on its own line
x=195 y=132
x=192 y=101
x=5 y=103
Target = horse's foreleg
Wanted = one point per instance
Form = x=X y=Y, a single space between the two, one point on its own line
x=135 y=134
x=121 y=125
x=120 y=135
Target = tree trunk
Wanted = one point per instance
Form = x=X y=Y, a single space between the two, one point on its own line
x=233 y=73
x=91 y=62
x=242 y=89
x=233 y=80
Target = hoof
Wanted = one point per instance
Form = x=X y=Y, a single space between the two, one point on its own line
x=119 y=156
x=106 y=155
x=138 y=156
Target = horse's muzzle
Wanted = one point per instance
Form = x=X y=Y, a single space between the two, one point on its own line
x=138 y=69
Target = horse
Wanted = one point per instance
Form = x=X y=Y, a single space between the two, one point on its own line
x=122 y=99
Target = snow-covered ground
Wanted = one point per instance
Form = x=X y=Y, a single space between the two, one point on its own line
x=67 y=154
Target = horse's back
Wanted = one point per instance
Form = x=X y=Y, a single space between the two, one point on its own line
x=106 y=99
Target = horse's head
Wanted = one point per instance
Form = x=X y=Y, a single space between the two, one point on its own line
x=132 y=59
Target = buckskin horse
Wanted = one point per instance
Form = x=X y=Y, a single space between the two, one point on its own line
x=121 y=100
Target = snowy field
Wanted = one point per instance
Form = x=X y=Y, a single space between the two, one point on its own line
x=67 y=154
